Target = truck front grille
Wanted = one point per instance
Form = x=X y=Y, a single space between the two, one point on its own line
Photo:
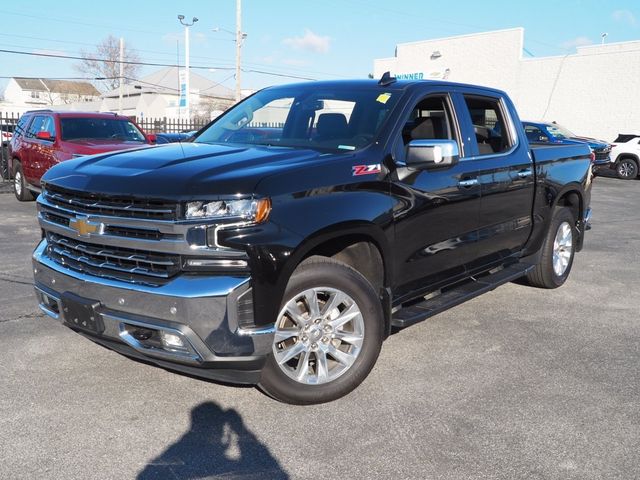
x=112 y=262
x=114 y=206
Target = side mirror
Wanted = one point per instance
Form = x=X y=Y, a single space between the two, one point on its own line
x=432 y=153
x=151 y=138
x=44 y=136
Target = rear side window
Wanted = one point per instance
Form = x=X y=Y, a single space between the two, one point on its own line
x=489 y=124
x=22 y=125
x=534 y=134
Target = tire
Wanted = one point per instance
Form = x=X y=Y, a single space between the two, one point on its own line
x=20 y=189
x=627 y=169
x=314 y=359
x=558 y=251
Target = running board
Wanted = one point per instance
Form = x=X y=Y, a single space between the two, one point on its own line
x=455 y=296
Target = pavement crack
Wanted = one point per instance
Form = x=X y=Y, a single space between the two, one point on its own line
x=12 y=280
x=26 y=316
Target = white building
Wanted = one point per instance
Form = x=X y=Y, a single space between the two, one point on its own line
x=23 y=94
x=157 y=95
x=593 y=92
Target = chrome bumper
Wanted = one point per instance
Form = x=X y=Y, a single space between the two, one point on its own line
x=198 y=309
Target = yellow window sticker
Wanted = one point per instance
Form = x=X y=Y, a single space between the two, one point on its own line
x=383 y=98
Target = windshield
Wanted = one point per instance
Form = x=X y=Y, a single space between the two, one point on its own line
x=307 y=116
x=100 y=129
x=559 y=132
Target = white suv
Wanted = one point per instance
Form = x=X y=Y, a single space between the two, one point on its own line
x=625 y=155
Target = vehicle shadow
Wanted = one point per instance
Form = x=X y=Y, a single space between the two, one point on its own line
x=218 y=444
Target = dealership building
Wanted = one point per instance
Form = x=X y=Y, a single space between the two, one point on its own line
x=593 y=92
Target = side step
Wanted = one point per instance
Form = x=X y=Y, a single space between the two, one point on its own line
x=418 y=312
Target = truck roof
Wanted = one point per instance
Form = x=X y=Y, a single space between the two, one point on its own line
x=395 y=85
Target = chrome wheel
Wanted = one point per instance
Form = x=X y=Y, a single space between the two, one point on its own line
x=627 y=169
x=562 y=248
x=17 y=182
x=319 y=335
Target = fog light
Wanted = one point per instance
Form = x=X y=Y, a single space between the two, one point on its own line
x=142 y=334
x=171 y=340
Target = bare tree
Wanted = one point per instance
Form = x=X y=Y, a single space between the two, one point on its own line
x=104 y=62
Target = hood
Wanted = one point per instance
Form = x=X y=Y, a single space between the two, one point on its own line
x=593 y=143
x=179 y=171
x=94 y=146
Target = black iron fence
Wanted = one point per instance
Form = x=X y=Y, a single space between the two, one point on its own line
x=7 y=126
x=169 y=125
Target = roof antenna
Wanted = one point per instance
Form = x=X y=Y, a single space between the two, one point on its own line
x=386 y=79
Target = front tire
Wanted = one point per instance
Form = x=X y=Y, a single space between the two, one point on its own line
x=20 y=189
x=328 y=334
x=558 y=251
x=627 y=169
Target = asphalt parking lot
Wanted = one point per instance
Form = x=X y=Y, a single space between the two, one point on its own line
x=518 y=383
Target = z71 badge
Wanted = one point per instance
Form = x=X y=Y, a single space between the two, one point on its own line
x=366 y=169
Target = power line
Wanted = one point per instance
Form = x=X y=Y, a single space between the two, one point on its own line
x=148 y=64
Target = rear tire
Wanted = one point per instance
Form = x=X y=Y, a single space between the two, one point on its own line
x=328 y=334
x=627 y=169
x=20 y=189
x=558 y=251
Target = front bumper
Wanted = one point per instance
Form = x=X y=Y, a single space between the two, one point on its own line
x=199 y=310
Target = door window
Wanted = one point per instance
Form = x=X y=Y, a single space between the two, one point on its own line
x=489 y=125
x=49 y=125
x=430 y=119
x=36 y=126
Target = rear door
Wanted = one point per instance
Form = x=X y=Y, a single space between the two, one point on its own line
x=436 y=219
x=506 y=176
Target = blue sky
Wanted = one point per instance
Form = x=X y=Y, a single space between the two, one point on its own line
x=320 y=40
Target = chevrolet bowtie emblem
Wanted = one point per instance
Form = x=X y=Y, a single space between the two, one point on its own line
x=84 y=227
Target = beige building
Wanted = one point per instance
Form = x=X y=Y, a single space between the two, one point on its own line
x=593 y=92
x=23 y=94
x=157 y=95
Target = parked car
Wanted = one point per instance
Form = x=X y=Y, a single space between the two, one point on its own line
x=44 y=138
x=285 y=257
x=544 y=132
x=625 y=156
x=6 y=132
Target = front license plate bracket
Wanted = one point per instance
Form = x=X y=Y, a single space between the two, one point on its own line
x=81 y=313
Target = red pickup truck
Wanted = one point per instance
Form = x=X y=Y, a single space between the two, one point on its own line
x=43 y=138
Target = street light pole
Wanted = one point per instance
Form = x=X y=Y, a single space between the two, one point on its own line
x=186 y=62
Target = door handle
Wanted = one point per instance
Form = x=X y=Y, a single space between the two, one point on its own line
x=525 y=173
x=468 y=183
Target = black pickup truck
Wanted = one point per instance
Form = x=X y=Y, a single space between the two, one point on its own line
x=289 y=239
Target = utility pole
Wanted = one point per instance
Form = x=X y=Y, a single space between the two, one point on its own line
x=239 y=38
x=186 y=61
x=121 y=81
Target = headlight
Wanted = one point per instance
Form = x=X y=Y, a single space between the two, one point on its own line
x=250 y=210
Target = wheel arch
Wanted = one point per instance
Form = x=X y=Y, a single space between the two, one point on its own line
x=362 y=246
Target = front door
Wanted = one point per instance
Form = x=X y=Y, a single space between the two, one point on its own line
x=436 y=217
